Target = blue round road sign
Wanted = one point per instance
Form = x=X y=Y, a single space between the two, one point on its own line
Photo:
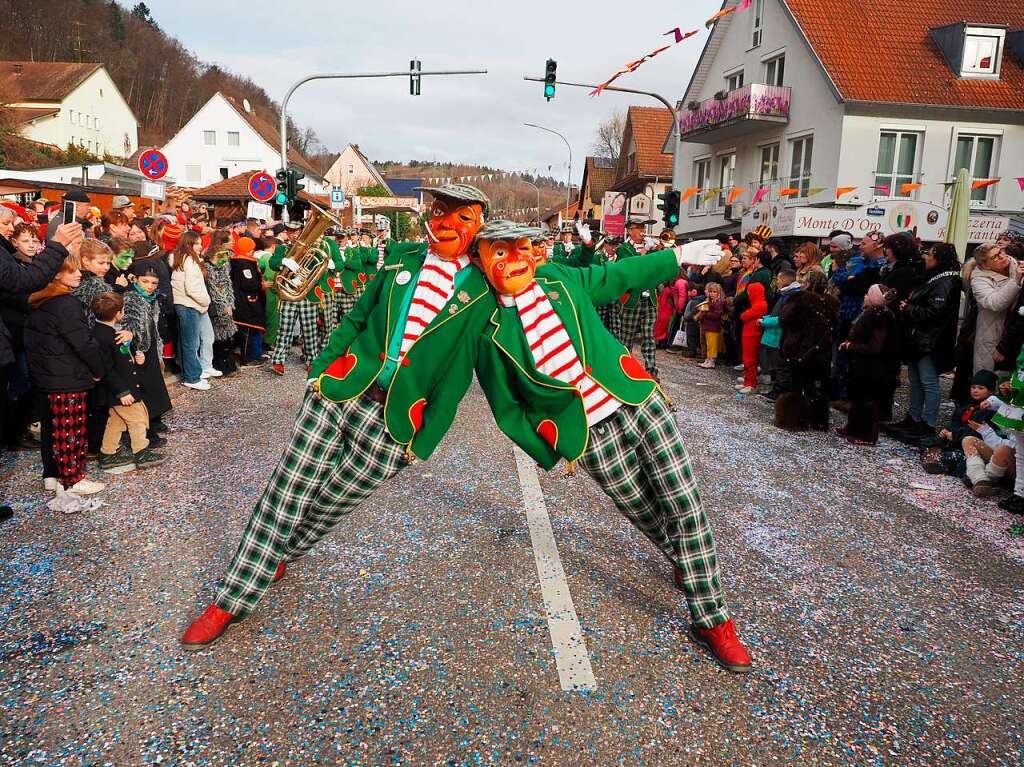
x=153 y=164
x=262 y=187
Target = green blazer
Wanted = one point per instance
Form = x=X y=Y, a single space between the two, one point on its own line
x=626 y=251
x=360 y=267
x=541 y=414
x=559 y=256
x=438 y=369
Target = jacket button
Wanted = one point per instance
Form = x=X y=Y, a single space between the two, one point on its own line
x=405 y=361
x=383 y=356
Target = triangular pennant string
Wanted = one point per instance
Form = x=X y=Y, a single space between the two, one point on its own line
x=982 y=183
x=735 y=194
x=759 y=195
x=844 y=190
x=689 y=193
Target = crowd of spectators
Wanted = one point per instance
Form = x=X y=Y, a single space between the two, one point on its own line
x=831 y=327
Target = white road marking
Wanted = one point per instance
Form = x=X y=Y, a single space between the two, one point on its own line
x=571 y=658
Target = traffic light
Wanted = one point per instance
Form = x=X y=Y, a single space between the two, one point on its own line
x=669 y=207
x=549 y=78
x=415 y=66
x=294 y=187
x=282 y=187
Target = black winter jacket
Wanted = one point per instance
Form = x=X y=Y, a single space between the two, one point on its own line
x=250 y=298
x=929 y=320
x=808 y=321
x=17 y=278
x=902 y=276
x=119 y=374
x=62 y=354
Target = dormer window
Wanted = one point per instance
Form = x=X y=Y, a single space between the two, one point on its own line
x=983 y=49
x=973 y=51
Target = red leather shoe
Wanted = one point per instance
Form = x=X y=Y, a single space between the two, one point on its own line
x=278 y=573
x=724 y=645
x=278 y=368
x=207 y=628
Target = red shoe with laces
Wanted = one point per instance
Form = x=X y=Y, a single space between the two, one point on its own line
x=278 y=573
x=278 y=368
x=207 y=628
x=723 y=643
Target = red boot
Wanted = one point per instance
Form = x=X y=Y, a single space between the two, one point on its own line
x=207 y=628
x=278 y=368
x=278 y=573
x=724 y=645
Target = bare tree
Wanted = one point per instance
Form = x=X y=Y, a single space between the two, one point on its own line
x=608 y=137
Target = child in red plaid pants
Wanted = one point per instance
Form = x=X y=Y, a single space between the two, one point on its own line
x=65 y=363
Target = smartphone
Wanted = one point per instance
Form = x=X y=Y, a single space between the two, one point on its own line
x=67 y=213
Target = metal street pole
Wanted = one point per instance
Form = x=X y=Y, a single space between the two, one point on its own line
x=538 y=196
x=350 y=76
x=568 y=183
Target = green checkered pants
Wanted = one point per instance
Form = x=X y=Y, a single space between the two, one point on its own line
x=639 y=321
x=611 y=317
x=343 y=304
x=305 y=314
x=338 y=454
x=637 y=456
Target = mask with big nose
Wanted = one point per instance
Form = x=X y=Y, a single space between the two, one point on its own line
x=451 y=227
x=508 y=264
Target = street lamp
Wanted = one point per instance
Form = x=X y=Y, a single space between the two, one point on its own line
x=568 y=183
x=538 y=196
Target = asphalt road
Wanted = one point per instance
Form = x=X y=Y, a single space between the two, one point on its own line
x=886 y=620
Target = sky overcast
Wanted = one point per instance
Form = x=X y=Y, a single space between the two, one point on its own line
x=474 y=118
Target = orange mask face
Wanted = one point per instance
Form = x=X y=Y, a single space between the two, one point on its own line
x=453 y=225
x=540 y=254
x=508 y=265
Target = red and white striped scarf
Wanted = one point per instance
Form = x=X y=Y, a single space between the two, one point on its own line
x=553 y=352
x=434 y=289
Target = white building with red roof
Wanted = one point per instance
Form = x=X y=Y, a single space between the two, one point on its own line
x=64 y=103
x=887 y=100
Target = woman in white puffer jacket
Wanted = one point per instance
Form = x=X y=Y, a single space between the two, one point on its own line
x=192 y=304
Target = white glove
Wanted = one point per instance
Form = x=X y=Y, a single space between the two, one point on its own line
x=699 y=253
x=290 y=264
x=584 y=230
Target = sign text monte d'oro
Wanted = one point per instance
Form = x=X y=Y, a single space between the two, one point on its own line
x=887 y=217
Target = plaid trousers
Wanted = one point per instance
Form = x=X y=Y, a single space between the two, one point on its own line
x=639 y=321
x=611 y=317
x=338 y=454
x=70 y=437
x=305 y=313
x=343 y=304
x=637 y=457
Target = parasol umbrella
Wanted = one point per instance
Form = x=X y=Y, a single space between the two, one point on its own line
x=959 y=210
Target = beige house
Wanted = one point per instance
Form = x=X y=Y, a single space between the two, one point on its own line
x=353 y=171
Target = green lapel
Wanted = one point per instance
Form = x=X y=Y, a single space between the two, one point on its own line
x=412 y=263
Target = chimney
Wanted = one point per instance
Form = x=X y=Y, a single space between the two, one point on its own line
x=18 y=69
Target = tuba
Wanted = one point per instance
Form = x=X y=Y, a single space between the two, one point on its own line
x=307 y=259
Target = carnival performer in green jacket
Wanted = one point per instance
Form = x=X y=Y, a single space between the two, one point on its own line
x=561 y=386
x=640 y=307
x=385 y=389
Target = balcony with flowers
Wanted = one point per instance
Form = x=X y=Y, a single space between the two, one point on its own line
x=735 y=113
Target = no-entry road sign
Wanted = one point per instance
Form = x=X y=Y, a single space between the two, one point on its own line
x=262 y=187
x=153 y=164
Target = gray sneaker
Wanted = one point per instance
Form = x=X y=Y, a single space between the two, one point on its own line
x=118 y=463
x=148 y=457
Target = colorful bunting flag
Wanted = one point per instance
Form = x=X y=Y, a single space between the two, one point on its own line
x=744 y=5
x=759 y=195
x=712 y=193
x=1020 y=181
x=981 y=183
x=789 y=191
x=720 y=15
x=680 y=36
x=815 y=190
x=735 y=193
x=906 y=189
x=689 y=193
x=882 y=188
x=840 y=191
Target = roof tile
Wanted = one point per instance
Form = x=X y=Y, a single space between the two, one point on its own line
x=42 y=80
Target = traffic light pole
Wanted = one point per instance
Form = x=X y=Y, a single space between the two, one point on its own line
x=658 y=96
x=411 y=72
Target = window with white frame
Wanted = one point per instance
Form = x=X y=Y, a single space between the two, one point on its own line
x=800 y=151
x=734 y=81
x=983 y=48
x=726 y=174
x=71 y=115
x=978 y=155
x=775 y=70
x=701 y=177
x=194 y=174
x=898 y=153
x=96 y=123
x=232 y=138
x=756 y=23
x=81 y=120
x=210 y=137
x=88 y=121
x=769 y=165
